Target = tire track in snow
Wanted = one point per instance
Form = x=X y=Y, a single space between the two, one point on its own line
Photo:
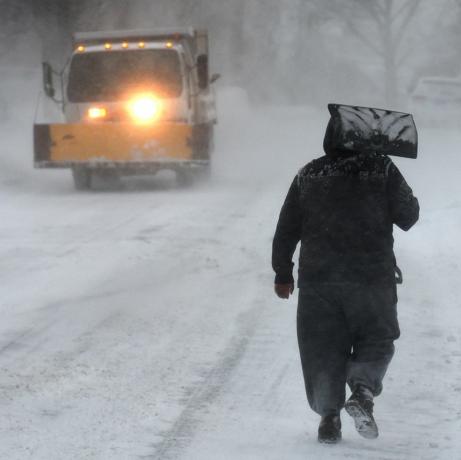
x=206 y=391
x=204 y=394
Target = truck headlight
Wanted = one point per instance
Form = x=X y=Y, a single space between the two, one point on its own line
x=145 y=109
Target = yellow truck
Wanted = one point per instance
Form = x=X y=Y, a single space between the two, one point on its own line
x=134 y=102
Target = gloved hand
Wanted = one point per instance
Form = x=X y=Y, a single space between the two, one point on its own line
x=284 y=290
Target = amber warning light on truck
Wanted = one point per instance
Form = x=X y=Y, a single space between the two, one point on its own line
x=96 y=113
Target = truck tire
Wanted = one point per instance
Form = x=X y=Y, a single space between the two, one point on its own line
x=184 y=178
x=203 y=141
x=82 y=177
x=106 y=179
x=203 y=174
x=188 y=177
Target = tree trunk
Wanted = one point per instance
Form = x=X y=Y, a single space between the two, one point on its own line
x=390 y=57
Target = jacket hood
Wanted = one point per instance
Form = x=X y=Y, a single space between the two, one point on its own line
x=332 y=142
x=327 y=140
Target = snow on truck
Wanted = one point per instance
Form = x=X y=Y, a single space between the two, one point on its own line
x=133 y=102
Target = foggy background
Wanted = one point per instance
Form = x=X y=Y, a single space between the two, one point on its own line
x=366 y=52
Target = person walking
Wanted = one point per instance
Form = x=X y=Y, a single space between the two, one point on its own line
x=342 y=208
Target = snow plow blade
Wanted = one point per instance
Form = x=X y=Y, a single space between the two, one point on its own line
x=64 y=145
x=365 y=129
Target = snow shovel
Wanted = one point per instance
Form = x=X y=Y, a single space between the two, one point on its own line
x=364 y=129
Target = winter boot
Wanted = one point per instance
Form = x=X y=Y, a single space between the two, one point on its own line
x=360 y=407
x=330 y=429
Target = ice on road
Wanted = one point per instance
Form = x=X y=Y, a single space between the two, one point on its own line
x=141 y=323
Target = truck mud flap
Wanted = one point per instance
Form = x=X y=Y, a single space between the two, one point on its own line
x=111 y=142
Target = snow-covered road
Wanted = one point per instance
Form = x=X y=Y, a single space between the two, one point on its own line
x=141 y=324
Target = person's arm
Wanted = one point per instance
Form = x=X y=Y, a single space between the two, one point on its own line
x=286 y=238
x=404 y=206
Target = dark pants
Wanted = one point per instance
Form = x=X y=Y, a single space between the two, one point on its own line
x=346 y=334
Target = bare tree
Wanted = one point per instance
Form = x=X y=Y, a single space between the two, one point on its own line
x=381 y=26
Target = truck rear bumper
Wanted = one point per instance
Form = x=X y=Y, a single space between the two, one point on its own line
x=117 y=144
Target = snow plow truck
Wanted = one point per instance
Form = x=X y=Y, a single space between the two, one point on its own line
x=133 y=102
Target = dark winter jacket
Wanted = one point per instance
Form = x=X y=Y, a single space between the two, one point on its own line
x=342 y=208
